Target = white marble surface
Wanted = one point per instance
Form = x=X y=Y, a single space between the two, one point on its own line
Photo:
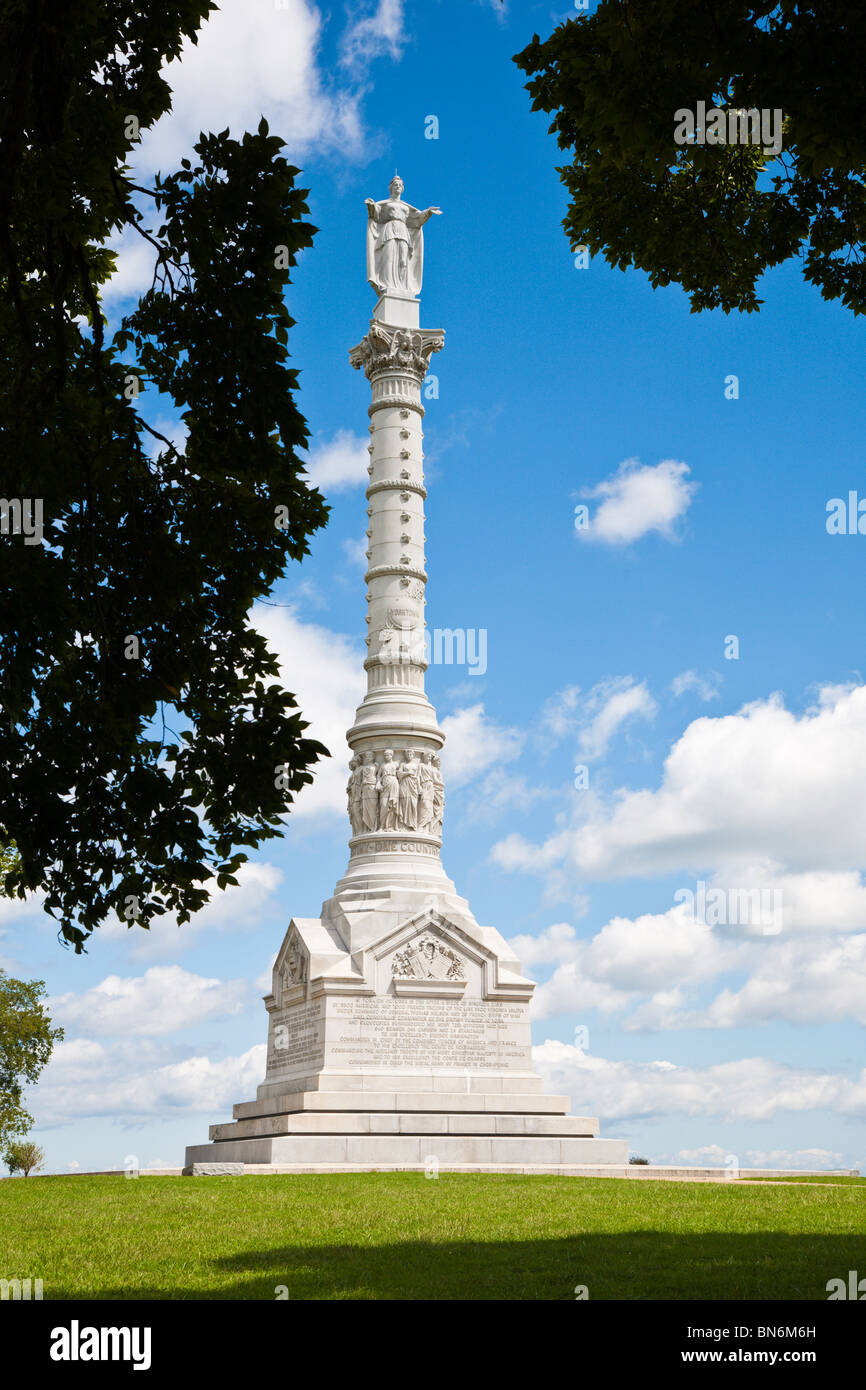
x=395 y=1021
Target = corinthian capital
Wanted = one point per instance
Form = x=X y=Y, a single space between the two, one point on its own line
x=400 y=349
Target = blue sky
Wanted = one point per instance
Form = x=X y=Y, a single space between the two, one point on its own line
x=606 y=649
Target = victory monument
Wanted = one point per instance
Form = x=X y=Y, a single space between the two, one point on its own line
x=398 y=1027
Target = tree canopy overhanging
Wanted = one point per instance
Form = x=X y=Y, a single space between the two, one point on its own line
x=131 y=617
x=712 y=217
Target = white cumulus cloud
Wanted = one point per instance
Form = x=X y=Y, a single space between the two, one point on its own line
x=376 y=32
x=255 y=58
x=706 y=687
x=325 y=672
x=639 y=499
x=595 y=718
x=474 y=743
x=136 y=1081
x=338 y=463
x=163 y=1000
x=764 y=784
x=674 y=969
x=750 y=1089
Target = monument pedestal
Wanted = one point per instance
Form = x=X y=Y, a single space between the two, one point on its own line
x=399 y=1028
x=401 y=1041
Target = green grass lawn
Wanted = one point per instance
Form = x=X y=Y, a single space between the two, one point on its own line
x=403 y=1236
x=812 y=1177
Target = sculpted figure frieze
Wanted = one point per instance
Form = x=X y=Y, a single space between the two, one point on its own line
x=369 y=779
x=396 y=791
x=426 y=791
x=389 y=793
x=407 y=776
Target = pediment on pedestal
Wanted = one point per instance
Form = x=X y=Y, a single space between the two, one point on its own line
x=311 y=950
x=292 y=966
x=429 y=954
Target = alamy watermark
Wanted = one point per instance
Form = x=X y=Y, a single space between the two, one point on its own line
x=855 y=1289
x=736 y=127
x=734 y=907
x=21 y=1289
x=77 y=1343
x=444 y=646
x=22 y=516
x=846 y=516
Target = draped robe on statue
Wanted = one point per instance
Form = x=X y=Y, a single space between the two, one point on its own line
x=395 y=247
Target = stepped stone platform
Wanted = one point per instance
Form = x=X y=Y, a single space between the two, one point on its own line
x=365 y=1127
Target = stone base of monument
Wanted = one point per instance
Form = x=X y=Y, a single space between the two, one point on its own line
x=367 y=1128
x=401 y=1042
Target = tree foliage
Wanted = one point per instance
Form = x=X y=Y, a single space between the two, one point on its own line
x=145 y=742
x=9 y=863
x=23 y=1156
x=27 y=1038
x=712 y=218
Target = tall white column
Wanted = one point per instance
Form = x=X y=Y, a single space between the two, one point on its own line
x=396 y=792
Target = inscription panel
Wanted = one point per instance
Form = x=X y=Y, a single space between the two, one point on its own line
x=345 y=1033
x=296 y=1039
x=394 y=1032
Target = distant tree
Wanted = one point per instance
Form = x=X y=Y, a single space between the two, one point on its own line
x=27 y=1039
x=9 y=863
x=131 y=619
x=23 y=1156
x=713 y=217
x=637 y=1159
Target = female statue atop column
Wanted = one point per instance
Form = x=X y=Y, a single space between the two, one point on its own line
x=395 y=242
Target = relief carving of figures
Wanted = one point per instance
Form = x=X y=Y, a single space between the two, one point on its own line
x=427 y=959
x=438 y=795
x=395 y=242
x=403 y=640
x=293 y=970
x=353 y=792
x=427 y=791
x=399 y=793
x=389 y=792
x=369 y=775
x=408 y=776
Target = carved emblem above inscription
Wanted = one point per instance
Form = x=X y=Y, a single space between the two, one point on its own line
x=426 y=958
x=293 y=970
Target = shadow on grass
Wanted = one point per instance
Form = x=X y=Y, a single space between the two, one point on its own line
x=632 y=1266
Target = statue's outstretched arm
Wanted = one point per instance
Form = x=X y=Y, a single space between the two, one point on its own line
x=417 y=218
